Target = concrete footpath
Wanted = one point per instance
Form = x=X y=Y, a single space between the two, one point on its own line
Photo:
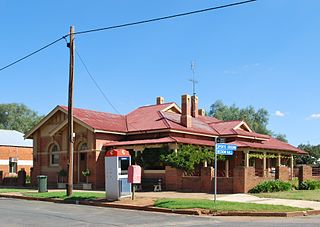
x=245 y=198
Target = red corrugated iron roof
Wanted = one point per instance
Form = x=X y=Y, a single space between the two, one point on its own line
x=154 y=118
x=147 y=118
x=100 y=120
x=198 y=126
x=271 y=144
x=160 y=141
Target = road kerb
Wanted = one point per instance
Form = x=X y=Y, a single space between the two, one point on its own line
x=175 y=211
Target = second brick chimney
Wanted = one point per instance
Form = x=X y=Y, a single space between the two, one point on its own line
x=194 y=106
x=186 y=119
x=160 y=100
x=202 y=112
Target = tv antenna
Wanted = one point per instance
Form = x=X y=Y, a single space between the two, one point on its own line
x=194 y=82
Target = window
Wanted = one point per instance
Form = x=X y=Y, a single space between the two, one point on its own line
x=54 y=155
x=83 y=147
x=13 y=164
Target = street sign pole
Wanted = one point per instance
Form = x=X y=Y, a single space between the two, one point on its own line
x=215 y=171
x=223 y=149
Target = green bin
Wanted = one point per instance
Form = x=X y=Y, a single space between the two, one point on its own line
x=42 y=183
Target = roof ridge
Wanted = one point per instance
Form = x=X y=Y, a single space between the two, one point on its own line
x=164 y=119
x=167 y=103
x=96 y=111
x=223 y=121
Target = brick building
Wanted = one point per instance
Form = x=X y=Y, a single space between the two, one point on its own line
x=149 y=130
x=15 y=154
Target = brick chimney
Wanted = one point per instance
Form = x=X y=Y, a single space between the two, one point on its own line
x=202 y=112
x=194 y=106
x=186 y=119
x=160 y=100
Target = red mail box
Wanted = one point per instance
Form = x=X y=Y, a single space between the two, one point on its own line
x=134 y=174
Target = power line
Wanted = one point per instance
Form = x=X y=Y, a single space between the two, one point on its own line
x=96 y=84
x=32 y=53
x=164 y=18
x=127 y=25
x=102 y=92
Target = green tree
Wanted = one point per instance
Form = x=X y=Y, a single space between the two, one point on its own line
x=313 y=156
x=256 y=119
x=189 y=158
x=280 y=136
x=18 y=117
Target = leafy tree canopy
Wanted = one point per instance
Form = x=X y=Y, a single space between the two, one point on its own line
x=188 y=158
x=18 y=117
x=256 y=119
x=313 y=156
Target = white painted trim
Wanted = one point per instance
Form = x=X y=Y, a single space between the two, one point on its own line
x=25 y=162
x=154 y=171
x=109 y=132
x=243 y=123
x=5 y=162
x=169 y=107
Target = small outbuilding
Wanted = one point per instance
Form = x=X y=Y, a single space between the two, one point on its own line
x=15 y=154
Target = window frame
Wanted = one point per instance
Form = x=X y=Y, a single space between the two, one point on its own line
x=13 y=160
x=52 y=153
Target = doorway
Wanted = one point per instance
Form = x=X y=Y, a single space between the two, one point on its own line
x=82 y=166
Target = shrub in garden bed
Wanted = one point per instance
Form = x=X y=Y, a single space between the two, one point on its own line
x=271 y=186
x=309 y=185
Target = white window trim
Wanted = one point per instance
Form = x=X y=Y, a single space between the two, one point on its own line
x=53 y=153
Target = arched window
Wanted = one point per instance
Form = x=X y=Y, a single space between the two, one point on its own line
x=54 y=154
x=83 y=147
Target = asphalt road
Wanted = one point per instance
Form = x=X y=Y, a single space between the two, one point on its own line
x=32 y=213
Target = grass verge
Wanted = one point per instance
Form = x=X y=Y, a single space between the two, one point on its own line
x=8 y=190
x=312 y=195
x=220 y=206
x=62 y=195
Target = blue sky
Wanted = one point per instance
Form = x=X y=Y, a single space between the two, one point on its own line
x=264 y=54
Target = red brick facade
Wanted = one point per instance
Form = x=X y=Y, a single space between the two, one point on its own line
x=23 y=156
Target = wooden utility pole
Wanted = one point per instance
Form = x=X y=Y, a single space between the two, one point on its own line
x=70 y=114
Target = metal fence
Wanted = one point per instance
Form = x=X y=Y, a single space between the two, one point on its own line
x=316 y=171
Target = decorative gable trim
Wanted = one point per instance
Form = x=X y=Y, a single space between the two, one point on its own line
x=172 y=106
x=242 y=123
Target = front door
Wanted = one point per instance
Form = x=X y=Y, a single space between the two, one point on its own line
x=82 y=166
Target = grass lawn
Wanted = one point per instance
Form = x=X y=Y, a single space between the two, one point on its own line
x=62 y=195
x=7 y=190
x=313 y=195
x=221 y=205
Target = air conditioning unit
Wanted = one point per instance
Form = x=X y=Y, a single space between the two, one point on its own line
x=13 y=159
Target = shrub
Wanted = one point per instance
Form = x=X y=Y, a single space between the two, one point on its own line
x=295 y=183
x=271 y=186
x=309 y=185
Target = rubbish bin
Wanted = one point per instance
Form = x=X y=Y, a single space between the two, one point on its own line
x=42 y=183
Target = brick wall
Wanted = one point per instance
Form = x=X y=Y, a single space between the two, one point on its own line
x=173 y=179
x=207 y=177
x=191 y=183
x=245 y=179
x=23 y=155
x=305 y=173
x=224 y=185
x=283 y=173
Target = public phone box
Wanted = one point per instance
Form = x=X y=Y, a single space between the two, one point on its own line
x=117 y=162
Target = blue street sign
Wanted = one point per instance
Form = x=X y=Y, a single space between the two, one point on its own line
x=225 y=149
x=225 y=152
